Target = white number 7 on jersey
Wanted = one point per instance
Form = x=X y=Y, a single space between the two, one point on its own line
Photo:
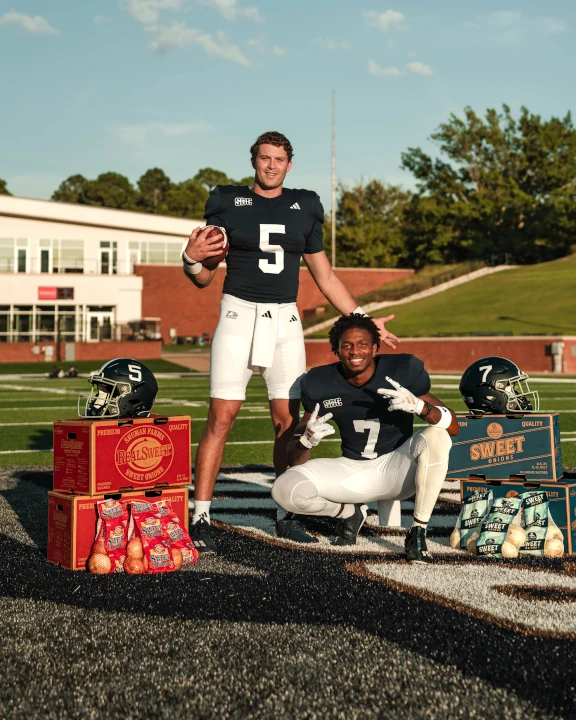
x=267 y=266
x=487 y=368
x=373 y=427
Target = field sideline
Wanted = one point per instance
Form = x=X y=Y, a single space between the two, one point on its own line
x=28 y=408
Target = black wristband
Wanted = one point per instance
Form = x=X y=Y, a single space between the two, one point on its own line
x=428 y=411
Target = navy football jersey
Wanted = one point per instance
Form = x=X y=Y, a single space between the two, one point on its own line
x=367 y=428
x=267 y=239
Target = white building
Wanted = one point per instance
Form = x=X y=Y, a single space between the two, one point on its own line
x=68 y=270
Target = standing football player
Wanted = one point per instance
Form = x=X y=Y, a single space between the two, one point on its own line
x=269 y=229
x=373 y=400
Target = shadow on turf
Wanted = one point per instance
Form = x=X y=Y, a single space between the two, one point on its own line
x=41 y=440
x=292 y=587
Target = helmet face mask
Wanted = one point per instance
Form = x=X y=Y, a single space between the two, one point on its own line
x=121 y=388
x=496 y=385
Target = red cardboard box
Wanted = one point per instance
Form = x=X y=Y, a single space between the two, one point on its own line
x=108 y=456
x=72 y=522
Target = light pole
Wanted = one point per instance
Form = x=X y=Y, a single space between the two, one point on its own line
x=333 y=178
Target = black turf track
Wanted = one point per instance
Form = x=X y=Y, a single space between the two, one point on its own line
x=260 y=632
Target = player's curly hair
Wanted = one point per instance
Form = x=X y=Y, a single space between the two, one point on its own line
x=272 y=138
x=347 y=322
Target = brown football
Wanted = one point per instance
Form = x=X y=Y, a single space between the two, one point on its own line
x=213 y=262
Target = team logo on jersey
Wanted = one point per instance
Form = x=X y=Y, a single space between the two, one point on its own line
x=231 y=314
x=293 y=319
x=295 y=207
x=267 y=314
x=242 y=201
x=332 y=403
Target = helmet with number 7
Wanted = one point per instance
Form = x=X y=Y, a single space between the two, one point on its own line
x=497 y=385
x=122 y=388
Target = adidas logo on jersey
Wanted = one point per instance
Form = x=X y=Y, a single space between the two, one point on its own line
x=293 y=319
x=267 y=314
x=295 y=207
x=242 y=201
x=332 y=403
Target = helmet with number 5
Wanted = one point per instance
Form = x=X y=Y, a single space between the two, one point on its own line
x=122 y=388
x=497 y=385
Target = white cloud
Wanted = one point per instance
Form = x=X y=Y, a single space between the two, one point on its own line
x=230 y=10
x=416 y=68
x=36 y=25
x=179 y=35
x=379 y=71
x=331 y=44
x=383 y=21
x=419 y=68
x=551 y=25
x=137 y=135
x=257 y=45
x=148 y=11
x=504 y=18
x=511 y=27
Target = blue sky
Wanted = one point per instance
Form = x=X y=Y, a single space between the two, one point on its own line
x=126 y=85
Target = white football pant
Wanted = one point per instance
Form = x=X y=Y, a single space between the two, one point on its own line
x=232 y=350
x=321 y=486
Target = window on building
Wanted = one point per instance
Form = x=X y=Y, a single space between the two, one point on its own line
x=174 y=253
x=22 y=323
x=71 y=259
x=4 y=323
x=6 y=254
x=44 y=261
x=22 y=259
x=45 y=322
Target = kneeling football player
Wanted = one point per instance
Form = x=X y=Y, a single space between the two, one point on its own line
x=373 y=400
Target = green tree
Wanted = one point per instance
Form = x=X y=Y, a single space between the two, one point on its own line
x=4 y=188
x=185 y=199
x=153 y=187
x=70 y=190
x=498 y=185
x=248 y=180
x=110 y=190
x=208 y=178
x=368 y=225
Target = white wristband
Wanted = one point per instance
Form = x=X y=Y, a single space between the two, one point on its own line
x=191 y=267
x=359 y=311
x=446 y=419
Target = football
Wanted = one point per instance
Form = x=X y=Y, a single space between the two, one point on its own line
x=213 y=262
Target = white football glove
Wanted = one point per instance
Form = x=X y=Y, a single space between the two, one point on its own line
x=316 y=428
x=401 y=398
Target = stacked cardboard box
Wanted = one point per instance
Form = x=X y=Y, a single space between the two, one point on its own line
x=131 y=459
x=512 y=454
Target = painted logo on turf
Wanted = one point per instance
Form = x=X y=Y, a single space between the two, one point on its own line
x=144 y=455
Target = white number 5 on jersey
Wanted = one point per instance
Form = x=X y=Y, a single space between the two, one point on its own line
x=268 y=266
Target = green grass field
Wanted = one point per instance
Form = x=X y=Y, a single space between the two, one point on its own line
x=27 y=409
x=529 y=300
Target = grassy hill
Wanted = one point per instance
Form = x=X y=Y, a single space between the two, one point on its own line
x=530 y=300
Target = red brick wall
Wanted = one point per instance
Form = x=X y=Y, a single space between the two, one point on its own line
x=455 y=354
x=146 y=350
x=168 y=294
x=21 y=351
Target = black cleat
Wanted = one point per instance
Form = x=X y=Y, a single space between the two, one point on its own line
x=200 y=536
x=415 y=546
x=349 y=528
x=291 y=528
